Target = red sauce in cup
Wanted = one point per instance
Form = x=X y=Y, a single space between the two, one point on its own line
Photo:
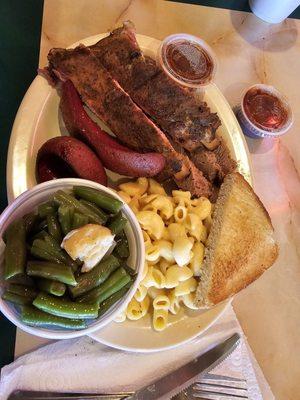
x=189 y=61
x=264 y=109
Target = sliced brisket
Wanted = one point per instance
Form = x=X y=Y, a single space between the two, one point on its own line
x=226 y=163
x=105 y=97
x=206 y=161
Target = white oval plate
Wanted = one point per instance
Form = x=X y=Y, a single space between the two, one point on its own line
x=38 y=120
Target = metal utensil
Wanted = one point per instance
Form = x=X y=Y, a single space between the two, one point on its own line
x=166 y=387
x=184 y=376
x=215 y=387
x=31 y=395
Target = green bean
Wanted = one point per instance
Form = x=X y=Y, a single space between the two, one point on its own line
x=30 y=221
x=65 y=308
x=117 y=223
x=121 y=235
x=56 y=272
x=54 y=228
x=23 y=280
x=52 y=287
x=39 y=252
x=90 y=280
x=48 y=245
x=47 y=208
x=115 y=282
x=108 y=303
x=59 y=252
x=49 y=249
x=42 y=225
x=65 y=216
x=129 y=270
x=95 y=209
x=15 y=249
x=122 y=249
x=63 y=198
x=101 y=200
x=34 y=317
x=24 y=291
x=53 y=246
x=38 y=235
x=75 y=265
x=16 y=298
x=79 y=220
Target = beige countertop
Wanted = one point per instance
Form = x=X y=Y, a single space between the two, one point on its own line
x=249 y=51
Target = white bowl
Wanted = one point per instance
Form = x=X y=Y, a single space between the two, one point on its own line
x=27 y=202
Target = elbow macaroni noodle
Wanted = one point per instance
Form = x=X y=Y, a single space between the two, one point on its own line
x=175 y=229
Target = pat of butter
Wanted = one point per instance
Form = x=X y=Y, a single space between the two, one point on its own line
x=89 y=244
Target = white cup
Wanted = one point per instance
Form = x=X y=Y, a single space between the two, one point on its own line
x=273 y=11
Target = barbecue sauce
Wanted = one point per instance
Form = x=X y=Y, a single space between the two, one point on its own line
x=189 y=61
x=264 y=109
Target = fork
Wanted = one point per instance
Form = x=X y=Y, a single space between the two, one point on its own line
x=209 y=387
x=215 y=387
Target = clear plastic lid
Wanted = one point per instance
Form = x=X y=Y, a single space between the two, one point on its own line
x=188 y=60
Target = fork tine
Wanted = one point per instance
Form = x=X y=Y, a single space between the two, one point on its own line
x=216 y=397
x=208 y=395
x=222 y=383
x=224 y=387
x=202 y=385
x=221 y=377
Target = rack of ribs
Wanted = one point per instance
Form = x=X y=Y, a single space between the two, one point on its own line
x=172 y=107
x=104 y=96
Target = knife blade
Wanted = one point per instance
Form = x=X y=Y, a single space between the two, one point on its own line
x=171 y=384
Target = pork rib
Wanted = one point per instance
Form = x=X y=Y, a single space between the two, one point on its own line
x=171 y=106
x=105 y=97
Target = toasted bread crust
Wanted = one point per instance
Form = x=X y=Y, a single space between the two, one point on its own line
x=241 y=244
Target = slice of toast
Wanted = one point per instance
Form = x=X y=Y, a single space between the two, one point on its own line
x=240 y=246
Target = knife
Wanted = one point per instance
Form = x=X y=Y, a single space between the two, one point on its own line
x=164 y=388
x=176 y=381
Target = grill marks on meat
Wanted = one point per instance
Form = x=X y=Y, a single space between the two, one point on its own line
x=171 y=106
x=189 y=124
x=107 y=99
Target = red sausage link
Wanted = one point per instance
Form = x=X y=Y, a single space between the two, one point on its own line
x=65 y=156
x=114 y=155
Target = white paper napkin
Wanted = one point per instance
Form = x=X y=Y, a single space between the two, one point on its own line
x=83 y=365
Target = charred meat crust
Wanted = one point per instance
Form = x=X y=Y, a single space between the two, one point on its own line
x=215 y=164
x=171 y=106
x=189 y=124
x=106 y=98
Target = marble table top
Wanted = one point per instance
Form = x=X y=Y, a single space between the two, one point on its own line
x=249 y=51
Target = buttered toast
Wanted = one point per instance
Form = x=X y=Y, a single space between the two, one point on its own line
x=240 y=246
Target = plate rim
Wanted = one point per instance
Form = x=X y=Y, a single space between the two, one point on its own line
x=226 y=305
x=37 y=109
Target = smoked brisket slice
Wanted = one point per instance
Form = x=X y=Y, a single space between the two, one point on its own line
x=215 y=164
x=105 y=97
x=170 y=105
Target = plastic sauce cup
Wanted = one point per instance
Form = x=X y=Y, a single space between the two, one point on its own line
x=264 y=112
x=188 y=60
